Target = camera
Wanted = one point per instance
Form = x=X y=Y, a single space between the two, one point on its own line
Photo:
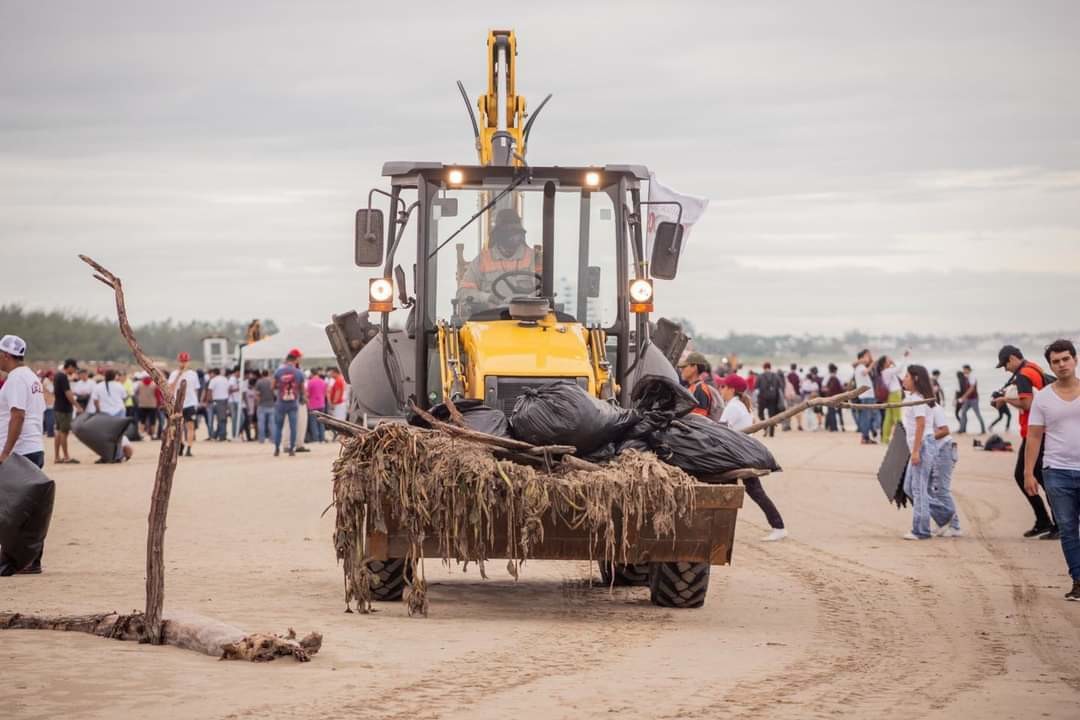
x=997 y=394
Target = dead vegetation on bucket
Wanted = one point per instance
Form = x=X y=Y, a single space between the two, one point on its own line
x=431 y=485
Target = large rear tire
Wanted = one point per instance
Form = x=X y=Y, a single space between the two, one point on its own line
x=678 y=584
x=391 y=574
x=626 y=574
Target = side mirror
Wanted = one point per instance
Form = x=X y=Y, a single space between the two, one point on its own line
x=369 y=238
x=592 y=281
x=447 y=207
x=666 y=250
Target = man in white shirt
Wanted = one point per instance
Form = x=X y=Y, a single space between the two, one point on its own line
x=22 y=414
x=219 y=399
x=868 y=420
x=1055 y=419
x=190 y=400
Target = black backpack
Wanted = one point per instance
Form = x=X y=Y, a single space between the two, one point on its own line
x=769 y=386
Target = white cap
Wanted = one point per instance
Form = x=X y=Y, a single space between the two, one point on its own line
x=13 y=345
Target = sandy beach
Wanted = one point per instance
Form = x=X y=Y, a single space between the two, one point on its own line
x=841 y=619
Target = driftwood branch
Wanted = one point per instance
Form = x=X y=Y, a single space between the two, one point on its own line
x=833 y=400
x=338 y=424
x=188 y=631
x=885 y=406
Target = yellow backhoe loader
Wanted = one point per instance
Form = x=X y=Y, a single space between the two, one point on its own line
x=519 y=275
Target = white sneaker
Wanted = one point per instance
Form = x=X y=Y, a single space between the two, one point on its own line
x=776 y=534
x=951 y=532
x=910 y=536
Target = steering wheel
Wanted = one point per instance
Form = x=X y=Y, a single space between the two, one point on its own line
x=506 y=276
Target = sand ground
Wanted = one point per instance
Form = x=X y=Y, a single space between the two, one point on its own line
x=842 y=619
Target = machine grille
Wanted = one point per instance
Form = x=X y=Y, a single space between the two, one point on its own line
x=503 y=392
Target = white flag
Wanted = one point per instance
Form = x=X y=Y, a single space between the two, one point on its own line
x=692 y=209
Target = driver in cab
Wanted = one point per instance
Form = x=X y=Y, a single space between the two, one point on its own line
x=483 y=286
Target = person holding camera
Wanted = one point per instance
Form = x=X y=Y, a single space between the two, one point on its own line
x=1029 y=379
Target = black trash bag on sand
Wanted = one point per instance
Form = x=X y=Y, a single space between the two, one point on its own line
x=701 y=447
x=562 y=413
x=26 y=505
x=478 y=416
x=101 y=433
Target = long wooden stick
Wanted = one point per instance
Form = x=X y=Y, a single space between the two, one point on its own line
x=814 y=402
x=885 y=406
x=166 y=467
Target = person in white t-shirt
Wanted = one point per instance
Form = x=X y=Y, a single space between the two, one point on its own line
x=108 y=396
x=219 y=399
x=22 y=415
x=890 y=375
x=1055 y=420
x=737 y=415
x=918 y=426
x=867 y=420
x=942 y=504
x=190 y=399
x=22 y=405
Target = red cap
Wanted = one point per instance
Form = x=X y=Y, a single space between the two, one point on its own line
x=734 y=382
x=295 y=352
x=183 y=357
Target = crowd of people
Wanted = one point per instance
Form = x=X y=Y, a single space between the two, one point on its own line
x=908 y=395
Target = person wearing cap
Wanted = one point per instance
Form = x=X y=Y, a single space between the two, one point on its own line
x=1029 y=379
x=64 y=405
x=693 y=370
x=506 y=253
x=289 y=389
x=190 y=399
x=738 y=414
x=22 y=415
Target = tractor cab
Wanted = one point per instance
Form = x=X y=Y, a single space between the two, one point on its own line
x=493 y=279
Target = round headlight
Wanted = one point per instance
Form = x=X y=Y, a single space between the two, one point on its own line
x=455 y=177
x=381 y=290
x=592 y=179
x=641 y=290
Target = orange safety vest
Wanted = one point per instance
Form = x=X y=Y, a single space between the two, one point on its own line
x=487 y=263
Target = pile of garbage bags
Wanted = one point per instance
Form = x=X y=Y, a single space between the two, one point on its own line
x=659 y=421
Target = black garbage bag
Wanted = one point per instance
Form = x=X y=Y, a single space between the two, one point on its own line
x=701 y=446
x=101 y=433
x=26 y=505
x=657 y=393
x=562 y=413
x=478 y=416
x=894 y=467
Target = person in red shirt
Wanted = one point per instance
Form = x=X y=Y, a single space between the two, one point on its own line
x=336 y=394
x=1028 y=379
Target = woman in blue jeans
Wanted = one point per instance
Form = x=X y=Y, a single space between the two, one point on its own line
x=918 y=426
x=942 y=504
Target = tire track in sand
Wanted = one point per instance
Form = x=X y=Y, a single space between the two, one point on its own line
x=597 y=626
x=1026 y=597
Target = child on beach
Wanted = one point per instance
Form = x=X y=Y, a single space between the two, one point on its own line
x=918 y=425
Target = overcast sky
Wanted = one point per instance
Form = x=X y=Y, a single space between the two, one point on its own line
x=883 y=166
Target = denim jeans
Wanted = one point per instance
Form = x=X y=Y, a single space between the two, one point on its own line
x=1063 y=491
x=234 y=410
x=917 y=487
x=316 y=430
x=221 y=419
x=942 y=505
x=867 y=420
x=265 y=415
x=971 y=404
x=280 y=413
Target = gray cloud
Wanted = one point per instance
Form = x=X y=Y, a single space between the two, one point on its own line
x=213 y=154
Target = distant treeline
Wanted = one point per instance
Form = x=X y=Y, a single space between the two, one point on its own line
x=59 y=334
x=786 y=348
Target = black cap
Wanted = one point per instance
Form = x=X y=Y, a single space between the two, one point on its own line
x=71 y=363
x=1007 y=352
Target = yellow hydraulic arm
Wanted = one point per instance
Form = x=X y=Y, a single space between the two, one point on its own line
x=502 y=130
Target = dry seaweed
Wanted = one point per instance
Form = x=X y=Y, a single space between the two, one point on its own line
x=429 y=484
